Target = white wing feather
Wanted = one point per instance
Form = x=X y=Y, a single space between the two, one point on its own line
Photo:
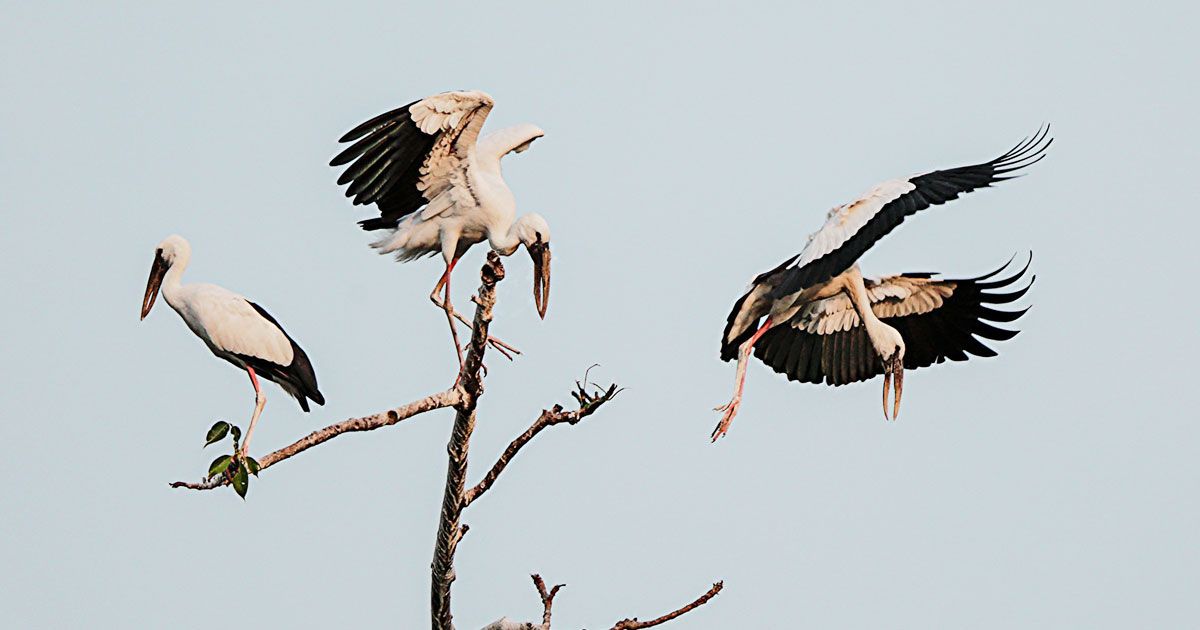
x=846 y=220
x=458 y=118
x=893 y=296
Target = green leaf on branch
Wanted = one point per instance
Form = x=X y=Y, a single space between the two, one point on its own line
x=219 y=466
x=217 y=432
x=252 y=466
x=241 y=480
x=237 y=436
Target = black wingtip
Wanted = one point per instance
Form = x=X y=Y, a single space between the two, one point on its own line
x=378 y=223
x=991 y=274
x=1003 y=282
x=1006 y=298
x=994 y=272
x=370 y=125
x=1027 y=152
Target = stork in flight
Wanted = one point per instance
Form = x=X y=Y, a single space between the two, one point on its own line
x=233 y=328
x=439 y=189
x=824 y=321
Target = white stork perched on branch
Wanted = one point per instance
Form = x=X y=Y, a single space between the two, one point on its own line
x=233 y=328
x=439 y=190
x=824 y=322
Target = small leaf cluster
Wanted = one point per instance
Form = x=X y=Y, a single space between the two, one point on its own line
x=234 y=467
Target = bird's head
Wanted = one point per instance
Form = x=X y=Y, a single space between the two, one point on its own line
x=523 y=135
x=514 y=139
x=896 y=343
x=534 y=233
x=171 y=250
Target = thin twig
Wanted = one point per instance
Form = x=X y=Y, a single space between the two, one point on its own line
x=634 y=624
x=382 y=419
x=588 y=404
x=470 y=388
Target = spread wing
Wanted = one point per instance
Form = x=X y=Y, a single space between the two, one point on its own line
x=412 y=156
x=851 y=229
x=938 y=319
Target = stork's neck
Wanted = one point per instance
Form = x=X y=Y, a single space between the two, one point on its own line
x=173 y=279
x=497 y=144
x=505 y=242
x=883 y=337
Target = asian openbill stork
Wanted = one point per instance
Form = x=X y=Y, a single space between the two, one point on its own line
x=824 y=322
x=233 y=328
x=439 y=188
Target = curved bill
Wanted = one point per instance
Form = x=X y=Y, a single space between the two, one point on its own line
x=893 y=366
x=157 y=271
x=540 y=252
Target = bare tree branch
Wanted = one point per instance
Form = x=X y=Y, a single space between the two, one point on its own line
x=450 y=530
x=634 y=624
x=588 y=404
x=382 y=419
x=504 y=623
x=547 y=598
x=464 y=397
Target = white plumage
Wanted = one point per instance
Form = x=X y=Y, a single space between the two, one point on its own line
x=234 y=328
x=893 y=296
x=226 y=322
x=844 y=221
x=820 y=321
x=439 y=187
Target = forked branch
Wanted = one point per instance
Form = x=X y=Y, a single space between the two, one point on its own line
x=625 y=624
x=547 y=598
x=588 y=404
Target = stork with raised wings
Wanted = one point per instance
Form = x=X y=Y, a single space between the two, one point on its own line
x=815 y=318
x=440 y=191
x=233 y=328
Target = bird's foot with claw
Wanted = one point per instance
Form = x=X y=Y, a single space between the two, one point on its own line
x=499 y=346
x=235 y=468
x=730 y=409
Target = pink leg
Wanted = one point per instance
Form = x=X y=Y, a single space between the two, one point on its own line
x=260 y=400
x=731 y=408
x=501 y=347
x=449 y=308
x=253 y=380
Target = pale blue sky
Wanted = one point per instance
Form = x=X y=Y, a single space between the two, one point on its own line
x=688 y=147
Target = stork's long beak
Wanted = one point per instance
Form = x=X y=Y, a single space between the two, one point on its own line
x=893 y=366
x=540 y=252
x=157 y=271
